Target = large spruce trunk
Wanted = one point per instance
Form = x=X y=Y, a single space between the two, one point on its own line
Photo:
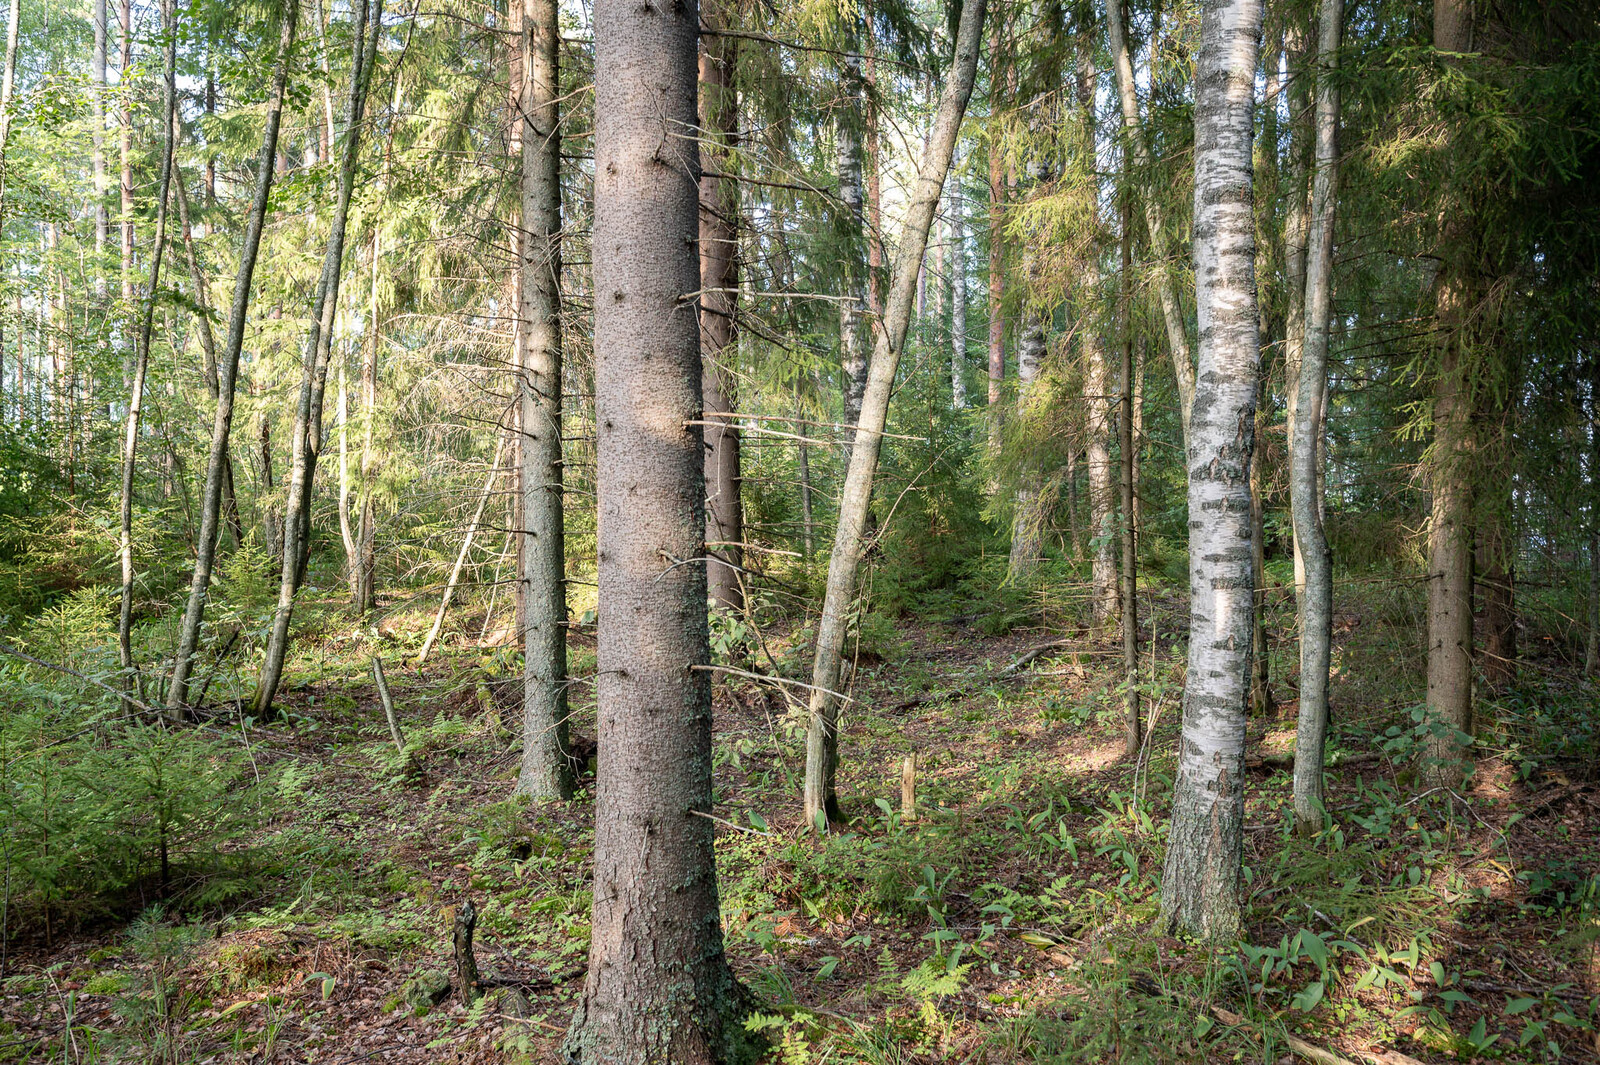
x=658 y=988
x=1200 y=888
x=545 y=772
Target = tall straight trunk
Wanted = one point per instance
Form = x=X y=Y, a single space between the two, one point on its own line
x=8 y=91
x=1448 y=708
x=125 y=152
x=366 y=529
x=1260 y=655
x=130 y=440
x=545 y=773
x=719 y=279
x=1154 y=214
x=347 y=532
x=1305 y=486
x=821 y=803
x=208 y=344
x=852 y=318
x=1132 y=726
x=958 y=289
x=1296 y=233
x=1097 y=399
x=217 y=464
x=1200 y=888
x=1030 y=508
x=659 y=987
x=97 y=100
x=306 y=443
x=997 y=276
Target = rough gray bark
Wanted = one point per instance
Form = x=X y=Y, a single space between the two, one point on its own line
x=227 y=376
x=545 y=772
x=1316 y=604
x=659 y=988
x=856 y=498
x=306 y=442
x=1448 y=709
x=719 y=279
x=1200 y=888
x=1030 y=508
x=141 y=362
x=1154 y=214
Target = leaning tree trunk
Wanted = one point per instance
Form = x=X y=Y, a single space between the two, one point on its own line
x=659 y=988
x=1305 y=486
x=227 y=377
x=1154 y=214
x=306 y=443
x=821 y=803
x=1448 y=709
x=545 y=773
x=719 y=279
x=1200 y=888
x=141 y=361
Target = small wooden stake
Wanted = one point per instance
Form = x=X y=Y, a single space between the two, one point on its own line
x=908 y=788
x=388 y=705
x=466 y=961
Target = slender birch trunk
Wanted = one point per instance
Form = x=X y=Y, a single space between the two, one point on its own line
x=852 y=324
x=306 y=443
x=1097 y=400
x=125 y=153
x=366 y=529
x=217 y=466
x=1154 y=214
x=1316 y=605
x=821 y=803
x=97 y=100
x=1200 y=888
x=719 y=279
x=130 y=439
x=545 y=772
x=659 y=988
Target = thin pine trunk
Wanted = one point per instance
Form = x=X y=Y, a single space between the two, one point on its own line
x=218 y=467
x=1200 y=888
x=1133 y=731
x=958 y=288
x=659 y=987
x=130 y=440
x=1305 y=486
x=821 y=803
x=719 y=278
x=306 y=442
x=545 y=771
x=1154 y=213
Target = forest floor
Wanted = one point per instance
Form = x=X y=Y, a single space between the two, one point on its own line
x=1010 y=921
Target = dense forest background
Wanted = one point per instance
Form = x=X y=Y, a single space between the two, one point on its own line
x=302 y=519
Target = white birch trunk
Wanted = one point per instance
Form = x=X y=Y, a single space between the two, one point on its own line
x=1200 y=888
